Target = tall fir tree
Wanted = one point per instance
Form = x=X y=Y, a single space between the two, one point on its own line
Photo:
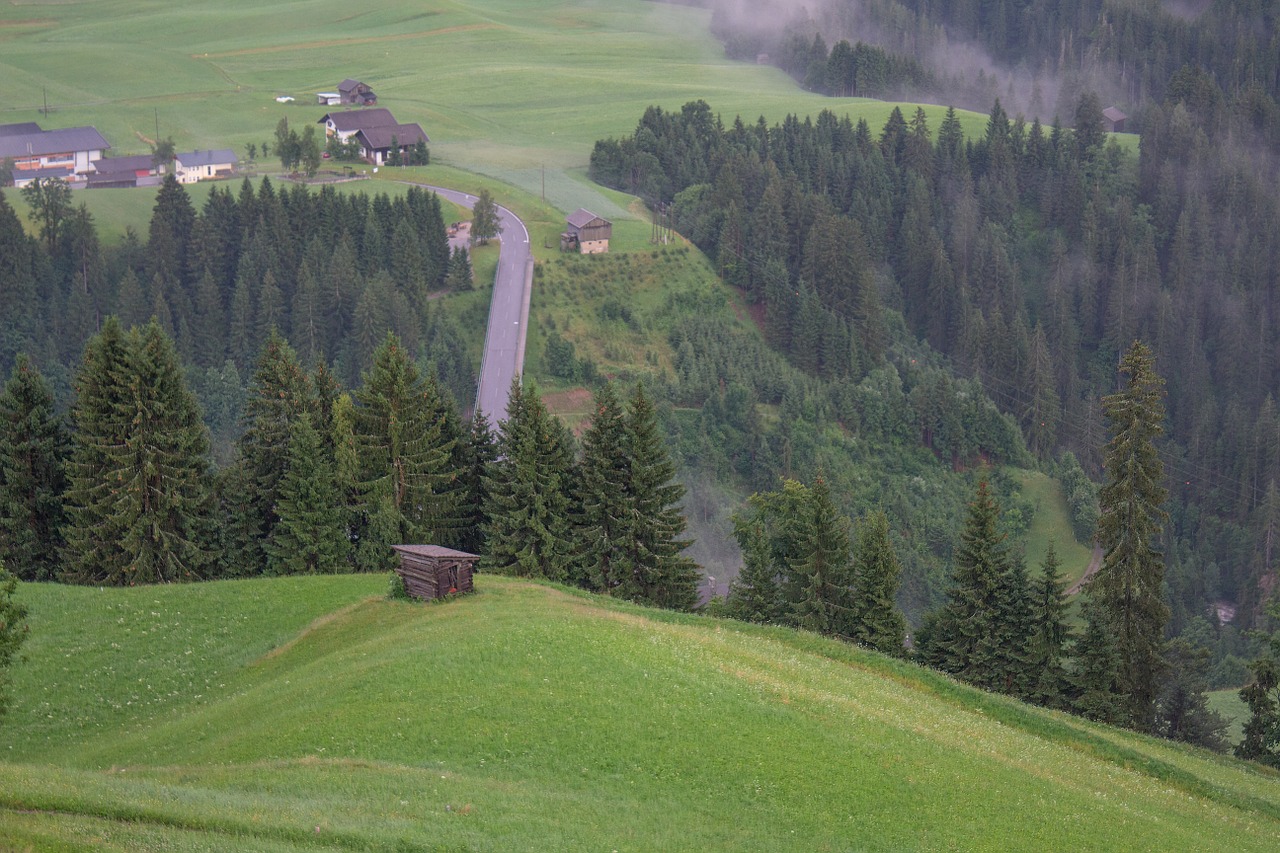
x=877 y=621
x=481 y=451
x=1128 y=584
x=529 y=492
x=33 y=444
x=659 y=574
x=278 y=395
x=308 y=537
x=1096 y=691
x=140 y=490
x=405 y=445
x=604 y=491
x=823 y=567
x=1051 y=635
x=755 y=594
x=965 y=637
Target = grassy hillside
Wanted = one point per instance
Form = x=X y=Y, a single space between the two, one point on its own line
x=311 y=713
x=503 y=87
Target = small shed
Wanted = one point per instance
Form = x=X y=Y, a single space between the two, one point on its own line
x=587 y=233
x=1115 y=119
x=432 y=571
x=328 y=99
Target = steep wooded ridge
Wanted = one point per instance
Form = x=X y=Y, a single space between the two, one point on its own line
x=311 y=713
x=1032 y=257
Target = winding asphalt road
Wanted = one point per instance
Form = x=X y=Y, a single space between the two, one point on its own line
x=504 y=340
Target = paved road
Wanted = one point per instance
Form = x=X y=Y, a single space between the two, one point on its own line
x=504 y=340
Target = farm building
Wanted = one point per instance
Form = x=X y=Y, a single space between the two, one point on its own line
x=374 y=131
x=134 y=171
x=192 y=166
x=328 y=99
x=357 y=93
x=347 y=123
x=432 y=571
x=587 y=233
x=1115 y=119
x=65 y=153
x=376 y=142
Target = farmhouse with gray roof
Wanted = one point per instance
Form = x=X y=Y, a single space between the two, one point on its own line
x=192 y=166
x=64 y=153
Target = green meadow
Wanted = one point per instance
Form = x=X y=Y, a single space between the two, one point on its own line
x=313 y=713
x=518 y=90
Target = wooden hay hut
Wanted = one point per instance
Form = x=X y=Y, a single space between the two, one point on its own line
x=587 y=233
x=1115 y=119
x=432 y=571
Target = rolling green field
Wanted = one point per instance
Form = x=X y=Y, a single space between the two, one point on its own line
x=312 y=713
x=502 y=87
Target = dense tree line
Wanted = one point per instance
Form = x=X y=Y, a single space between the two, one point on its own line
x=332 y=271
x=324 y=480
x=1031 y=256
x=1038 y=54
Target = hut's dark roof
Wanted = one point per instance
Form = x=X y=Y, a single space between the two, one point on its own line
x=359 y=119
x=380 y=137
x=434 y=551
x=347 y=85
x=1114 y=114
x=582 y=217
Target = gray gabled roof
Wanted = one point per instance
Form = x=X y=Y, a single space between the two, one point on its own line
x=132 y=163
x=380 y=137
x=215 y=157
x=582 y=217
x=1114 y=114
x=20 y=127
x=359 y=119
x=347 y=85
x=65 y=141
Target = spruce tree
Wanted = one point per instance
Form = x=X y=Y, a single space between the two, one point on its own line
x=1261 y=740
x=1096 y=692
x=481 y=452
x=1182 y=706
x=308 y=537
x=877 y=621
x=965 y=639
x=278 y=395
x=1051 y=633
x=1016 y=630
x=405 y=447
x=658 y=573
x=823 y=568
x=755 y=594
x=529 y=497
x=1128 y=584
x=139 y=497
x=605 y=495
x=33 y=444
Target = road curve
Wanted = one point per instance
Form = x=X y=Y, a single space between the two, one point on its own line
x=504 y=340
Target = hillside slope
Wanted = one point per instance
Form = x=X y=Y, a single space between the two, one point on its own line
x=529 y=717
